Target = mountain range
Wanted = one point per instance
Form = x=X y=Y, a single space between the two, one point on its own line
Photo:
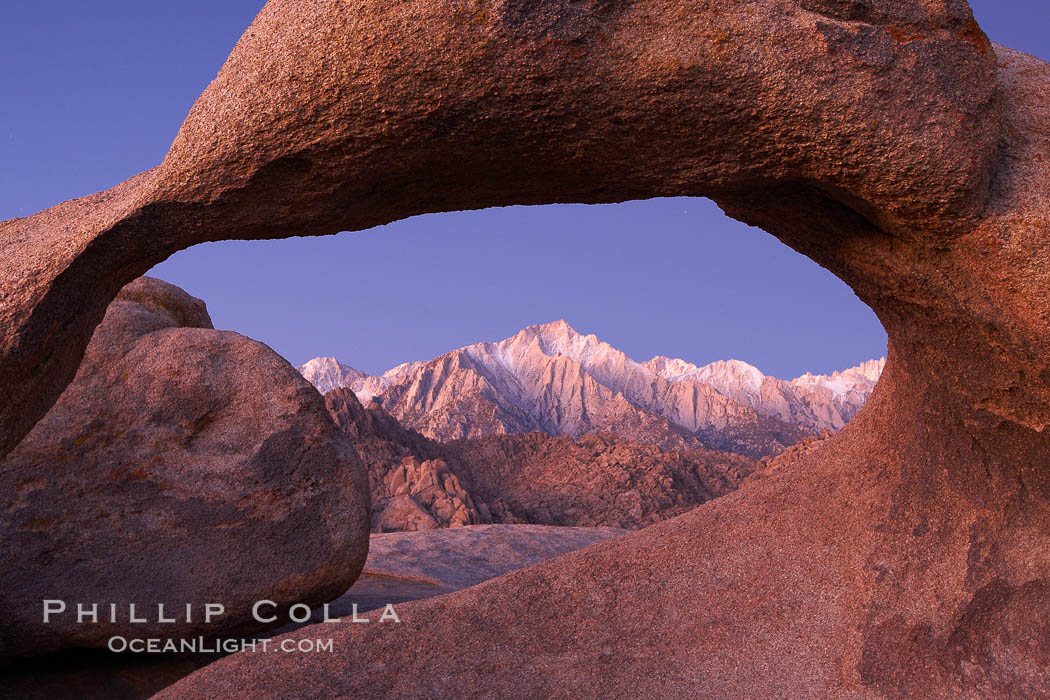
x=553 y=379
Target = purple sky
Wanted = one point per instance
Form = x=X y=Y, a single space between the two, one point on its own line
x=94 y=93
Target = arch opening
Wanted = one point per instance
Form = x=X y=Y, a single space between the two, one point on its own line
x=661 y=324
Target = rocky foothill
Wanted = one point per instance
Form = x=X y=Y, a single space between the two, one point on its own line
x=595 y=480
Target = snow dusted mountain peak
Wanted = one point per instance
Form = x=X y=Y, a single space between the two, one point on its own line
x=733 y=378
x=322 y=363
x=555 y=339
x=559 y=338
x=721 y=374
x=670 y=368
x=731 y=366
x=561 y=327
x=553 y=378
x=861 y=378
x=872 y=369
x=328 y=373
x=400 y=370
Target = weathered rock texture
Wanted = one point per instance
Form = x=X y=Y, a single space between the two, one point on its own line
x=412 y=487
x=183 y=465
x=909 y=555
x=423 y=496
x=595 y=480
x=401 y=566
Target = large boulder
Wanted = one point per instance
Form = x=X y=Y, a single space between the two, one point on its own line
x=183 y=466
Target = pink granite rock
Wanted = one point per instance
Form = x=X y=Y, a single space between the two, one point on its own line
x=183 y=465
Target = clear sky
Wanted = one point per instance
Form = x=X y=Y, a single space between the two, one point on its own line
x=94 y=93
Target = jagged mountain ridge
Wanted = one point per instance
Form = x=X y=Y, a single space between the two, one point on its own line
x=553 y=379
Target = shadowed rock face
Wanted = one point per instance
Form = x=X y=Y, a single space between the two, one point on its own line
x=183 y=465
x=887 y=141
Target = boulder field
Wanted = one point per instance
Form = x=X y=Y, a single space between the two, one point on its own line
x=889 y=141
x=593 y=481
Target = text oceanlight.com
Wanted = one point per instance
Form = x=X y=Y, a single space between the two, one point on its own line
x=201 y=645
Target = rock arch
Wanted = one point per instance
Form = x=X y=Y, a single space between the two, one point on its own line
x=890 y=142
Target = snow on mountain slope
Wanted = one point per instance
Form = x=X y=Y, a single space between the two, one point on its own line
x=328 y=373
x=861 y=378
x=550 y=377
